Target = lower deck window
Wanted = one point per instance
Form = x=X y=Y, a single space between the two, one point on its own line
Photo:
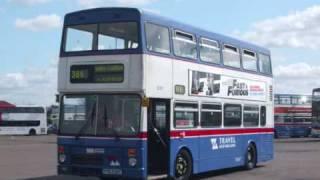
x=211 y=115
x=232 y=115
x=15 y=123
x=185 y=115
x=251 y=116
x=263 y=118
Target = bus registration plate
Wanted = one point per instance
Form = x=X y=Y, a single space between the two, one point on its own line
x=112 y=171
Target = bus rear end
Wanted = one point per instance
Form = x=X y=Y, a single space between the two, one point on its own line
x=101 y=131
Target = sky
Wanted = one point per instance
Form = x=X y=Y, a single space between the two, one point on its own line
x=30 y=34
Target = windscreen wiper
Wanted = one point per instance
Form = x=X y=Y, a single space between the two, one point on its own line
x=87 y=122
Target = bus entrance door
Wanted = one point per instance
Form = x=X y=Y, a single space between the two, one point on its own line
x=158 y=136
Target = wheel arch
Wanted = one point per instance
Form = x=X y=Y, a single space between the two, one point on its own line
x=32 y=131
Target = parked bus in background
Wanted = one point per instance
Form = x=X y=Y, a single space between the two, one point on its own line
x=144 y=96
x=292 y=115
x=315 y=131
x=23 y=120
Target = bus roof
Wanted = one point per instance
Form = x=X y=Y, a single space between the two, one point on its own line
x=99 y=14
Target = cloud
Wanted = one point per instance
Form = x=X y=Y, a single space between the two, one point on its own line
x=29 y=2
x=39 y=23
x=98 y=3
x=296 y=78
x=300 y=29
x=32 y=86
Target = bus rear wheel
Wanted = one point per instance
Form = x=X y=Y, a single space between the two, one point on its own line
x=251 y=157
x=32 y=132
x=183 y=165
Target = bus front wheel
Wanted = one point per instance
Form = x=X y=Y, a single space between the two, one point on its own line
x=183 y=165
x=251 y=157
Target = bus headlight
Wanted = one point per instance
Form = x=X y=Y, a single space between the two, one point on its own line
x=62 y=158
x=132 y=162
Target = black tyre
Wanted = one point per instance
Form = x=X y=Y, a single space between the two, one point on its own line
x=32 y=132
x=251 y=157
x=183 y=165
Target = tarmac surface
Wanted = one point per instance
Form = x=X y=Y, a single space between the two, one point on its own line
x=25 y=157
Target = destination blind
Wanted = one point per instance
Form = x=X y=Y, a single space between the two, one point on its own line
x=98 y=73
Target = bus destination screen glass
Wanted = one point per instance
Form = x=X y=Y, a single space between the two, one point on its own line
x=98 y=73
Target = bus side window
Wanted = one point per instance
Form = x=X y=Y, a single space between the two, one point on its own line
x=185 y=115
x=184 y=45
x=211 y=115
x=231 y=56
x=264 y=64
x=232 y=115
x=157 y=38
x=209 y=51
x=249 y=60
x=251 y=116
x=263 y=116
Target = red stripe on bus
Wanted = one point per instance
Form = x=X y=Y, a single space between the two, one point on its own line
x=186 y=133
x=143 y=135
x=292 y=109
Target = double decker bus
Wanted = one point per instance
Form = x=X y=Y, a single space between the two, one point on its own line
x=23 y=120
x=292 y=115
x=145 y=97
x=315 y=128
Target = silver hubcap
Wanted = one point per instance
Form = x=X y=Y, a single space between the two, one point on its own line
x=181 y=166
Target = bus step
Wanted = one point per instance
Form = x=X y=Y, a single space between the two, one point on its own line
x=158 y=176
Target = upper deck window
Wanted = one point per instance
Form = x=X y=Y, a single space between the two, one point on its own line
x=249 y=60
x=231 y=56
x=265 y=64
x=209 y=51
x=285 y=100
x=157 y=38
x=118 y=36
x=80 y=37
x=184 y=45
x=104 y=36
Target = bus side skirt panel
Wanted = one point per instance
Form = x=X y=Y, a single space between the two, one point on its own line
x=219 y=152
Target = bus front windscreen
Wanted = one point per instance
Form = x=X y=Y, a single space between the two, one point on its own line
x=103 y=36
x=100 y=115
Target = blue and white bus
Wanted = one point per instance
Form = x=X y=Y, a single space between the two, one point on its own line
x=143 y=96
x=292 y=115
